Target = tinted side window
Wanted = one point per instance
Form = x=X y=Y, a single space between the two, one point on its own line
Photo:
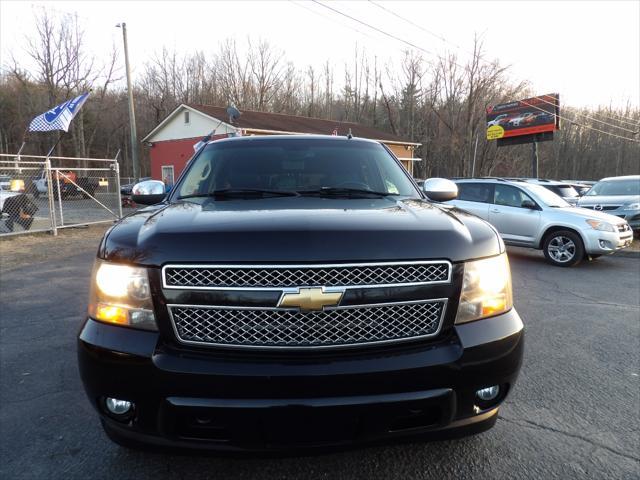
x=510 y=196
x=475 y=192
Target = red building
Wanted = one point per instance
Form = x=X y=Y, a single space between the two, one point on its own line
x=171 y=142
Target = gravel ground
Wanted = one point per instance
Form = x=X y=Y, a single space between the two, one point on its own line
x=575 y=412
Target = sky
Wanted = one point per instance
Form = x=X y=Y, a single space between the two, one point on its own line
x=588 y=51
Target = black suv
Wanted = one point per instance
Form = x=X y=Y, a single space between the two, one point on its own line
x=295 y=292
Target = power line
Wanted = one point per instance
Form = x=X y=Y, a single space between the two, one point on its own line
x=431 y=53
x=484 y=61
x=390 y=35
x=621 y=119
x=301 y=5
x=635 y=132
x=439 y=37
x=580 y=124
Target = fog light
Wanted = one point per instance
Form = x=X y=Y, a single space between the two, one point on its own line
x=118 y=407
x=489 y=393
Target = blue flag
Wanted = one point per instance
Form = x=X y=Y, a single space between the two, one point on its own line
x=59 y=117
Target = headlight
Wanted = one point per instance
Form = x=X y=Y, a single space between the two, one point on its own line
x=632 y=206
x=120 y=295
x=602 y=226
x=486 y=289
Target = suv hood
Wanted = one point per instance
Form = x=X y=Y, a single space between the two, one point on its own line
x=608 y=200
x=588 y=213
x=299 y=229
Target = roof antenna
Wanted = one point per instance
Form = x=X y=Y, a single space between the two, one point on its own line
x=233 y=113
x=349 y=135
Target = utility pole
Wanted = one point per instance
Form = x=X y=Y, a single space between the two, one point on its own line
x=473 y=165
x=132 y=113
x=534 y=159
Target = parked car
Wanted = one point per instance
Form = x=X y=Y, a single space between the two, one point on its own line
x=562 y=189
x=4 y=194
x=542 y=117
x=516 y=121
x=529 y=215
x=5 y=182
x=499 y=120
x=619 y=196
x=581 y=188
x=69 y=184
x=16 y=206
x=298 y=291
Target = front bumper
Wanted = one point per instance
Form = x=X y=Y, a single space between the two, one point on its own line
x=223 y=401
x=632 y=217
x=602 y=243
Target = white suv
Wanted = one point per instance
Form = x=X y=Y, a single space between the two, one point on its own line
x=529 y=215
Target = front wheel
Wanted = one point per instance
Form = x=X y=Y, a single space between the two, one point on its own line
x=563 y=248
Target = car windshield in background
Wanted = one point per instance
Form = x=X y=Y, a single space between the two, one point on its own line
x=294 y=165
x=565 y=191
x=615 y=187
x=546 y=196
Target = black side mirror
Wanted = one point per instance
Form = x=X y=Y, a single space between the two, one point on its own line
x=529 y=204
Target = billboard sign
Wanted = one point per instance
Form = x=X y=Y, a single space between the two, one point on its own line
x=524 y=117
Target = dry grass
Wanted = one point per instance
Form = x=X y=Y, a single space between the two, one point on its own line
x=19 y=250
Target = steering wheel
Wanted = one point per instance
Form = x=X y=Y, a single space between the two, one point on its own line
x=352 y=184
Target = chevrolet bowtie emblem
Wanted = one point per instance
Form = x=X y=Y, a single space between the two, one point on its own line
x=307 y=299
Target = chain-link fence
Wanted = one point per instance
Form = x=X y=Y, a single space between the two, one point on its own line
x=46 y=194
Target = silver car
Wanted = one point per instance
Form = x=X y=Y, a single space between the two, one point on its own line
x=562 y=189
x=529 y=215
x=619 y=196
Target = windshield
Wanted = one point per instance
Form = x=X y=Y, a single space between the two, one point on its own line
x=615 y=187
x=294 y=165
x=565 y=191
x=546 y=196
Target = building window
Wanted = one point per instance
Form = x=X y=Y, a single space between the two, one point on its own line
x=167 y=174
x=186 y=117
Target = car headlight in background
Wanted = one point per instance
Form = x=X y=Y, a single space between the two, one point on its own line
x=632 y=206
x=121 y=295
x=486 y=289
x=602 y=226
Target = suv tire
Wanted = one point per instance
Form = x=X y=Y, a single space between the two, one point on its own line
x=563 y=248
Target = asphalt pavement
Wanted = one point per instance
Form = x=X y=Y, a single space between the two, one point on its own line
x=575 y=412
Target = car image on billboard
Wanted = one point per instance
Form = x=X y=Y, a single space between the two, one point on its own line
x=523 y=117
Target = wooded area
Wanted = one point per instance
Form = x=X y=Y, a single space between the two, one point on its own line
x=438 y=102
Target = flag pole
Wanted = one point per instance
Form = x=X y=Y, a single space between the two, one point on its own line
x=24 y=142
x=56 y=144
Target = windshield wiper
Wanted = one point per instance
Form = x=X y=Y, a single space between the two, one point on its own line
x=344 y=192
x=242 y=192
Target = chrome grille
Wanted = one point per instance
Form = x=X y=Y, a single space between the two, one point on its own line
x=603 y=207
x=338 y=327
x=624 y=227
x=355 y=275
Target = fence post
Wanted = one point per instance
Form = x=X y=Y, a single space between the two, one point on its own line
x=117 y=169
x=59 y=198
x=52 y=205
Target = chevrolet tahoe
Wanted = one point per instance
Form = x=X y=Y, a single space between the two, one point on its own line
x=296 y=292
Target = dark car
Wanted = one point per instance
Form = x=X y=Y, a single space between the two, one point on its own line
x=543 y=117
x=293 y=292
